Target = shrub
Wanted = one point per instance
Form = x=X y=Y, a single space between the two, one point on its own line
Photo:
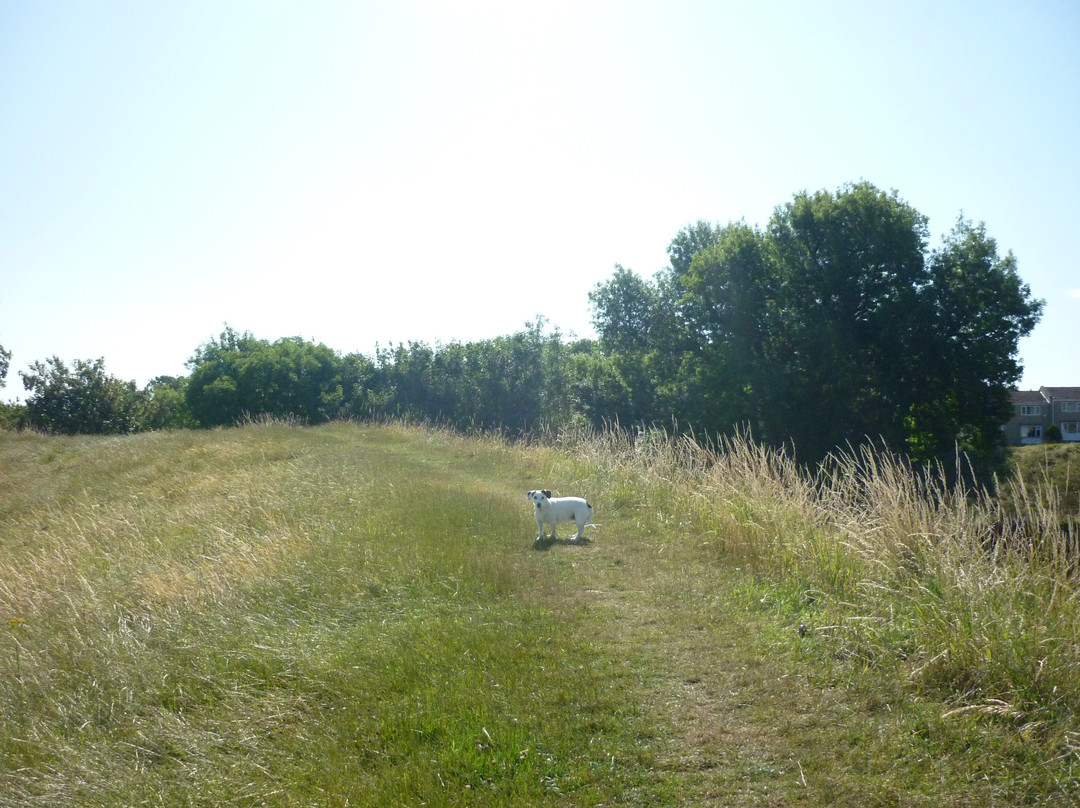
x=82 y=400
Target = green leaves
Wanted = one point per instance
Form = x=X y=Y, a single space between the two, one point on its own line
x=81 y=400
x=237 y=376
x=5 y=363
x=623 y=310
x=832 y=326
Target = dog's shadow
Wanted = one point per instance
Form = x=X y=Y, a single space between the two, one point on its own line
x=547 y=542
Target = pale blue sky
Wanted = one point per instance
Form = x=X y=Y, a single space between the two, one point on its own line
x=365 y=172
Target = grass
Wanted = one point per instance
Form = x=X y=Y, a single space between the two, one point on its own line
x=1047 y=475
x=354 y=615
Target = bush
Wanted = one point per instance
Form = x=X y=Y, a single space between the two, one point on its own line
x=82 y=400
x=238 y=377
x=11 y=415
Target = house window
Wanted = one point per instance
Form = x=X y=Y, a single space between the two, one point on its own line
x=1070 y=406
x=1031 y=432
x=1031 y=409
x=1070 y=427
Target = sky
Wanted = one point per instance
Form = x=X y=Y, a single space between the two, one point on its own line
x=370 y=173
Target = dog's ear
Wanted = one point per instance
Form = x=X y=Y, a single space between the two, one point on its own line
x=547 y=494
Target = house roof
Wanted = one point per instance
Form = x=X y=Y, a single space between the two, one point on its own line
x=1027 y=397
x=1060 y=393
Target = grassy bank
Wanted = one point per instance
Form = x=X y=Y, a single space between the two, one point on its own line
x=1048 y=476
x=354 y=615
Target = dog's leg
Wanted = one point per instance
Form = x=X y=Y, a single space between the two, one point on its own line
x=577 y=521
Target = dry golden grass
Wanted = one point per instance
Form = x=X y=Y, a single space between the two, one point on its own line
x=354 y=615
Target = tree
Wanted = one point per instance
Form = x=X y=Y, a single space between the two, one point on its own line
x=690 y=241
x=82 y=400
x=641 y=349
x=5 y=363
x=403 y=380
x=624 y=311
x=166 y=406
x=520 y=382
x=213 y=392
x=964 y=361
x=237 y=376
x=833 y=326
x=850 y=267
x=11 y=415
x=728 y=307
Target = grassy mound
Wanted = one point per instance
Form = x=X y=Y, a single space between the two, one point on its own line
x=354 y=615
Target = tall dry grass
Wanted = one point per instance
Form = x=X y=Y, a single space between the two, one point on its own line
x=975 y=597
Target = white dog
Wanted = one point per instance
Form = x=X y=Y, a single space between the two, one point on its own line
x=560 y=509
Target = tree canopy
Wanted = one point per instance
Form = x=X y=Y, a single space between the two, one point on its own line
x=237 y=375
x=832 y=326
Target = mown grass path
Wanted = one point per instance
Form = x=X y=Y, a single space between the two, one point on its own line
x=355 y=615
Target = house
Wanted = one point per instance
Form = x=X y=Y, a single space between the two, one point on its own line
x=1035 y=411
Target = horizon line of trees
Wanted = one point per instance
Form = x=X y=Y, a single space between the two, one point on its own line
x=515 y=382
x=832 y=325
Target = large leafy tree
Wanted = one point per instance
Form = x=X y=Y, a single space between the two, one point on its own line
x=879 y=338
x=82 y=399
x=728 y=312
x=631 y=318
x=851 y=268
x=834 y=325
x=625 y=310
x=964 y=356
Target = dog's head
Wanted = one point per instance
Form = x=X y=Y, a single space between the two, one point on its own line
x=538 y=498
